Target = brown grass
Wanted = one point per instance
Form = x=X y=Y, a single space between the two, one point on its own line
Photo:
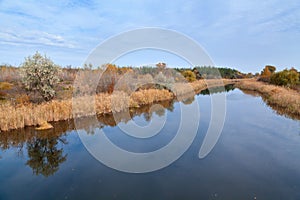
x=14 y=116
x=21 y=115
x=5 y=85
x=281 y=97
x=24 y=113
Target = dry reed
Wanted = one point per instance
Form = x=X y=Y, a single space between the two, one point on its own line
x=21 y=115
x=282 y=97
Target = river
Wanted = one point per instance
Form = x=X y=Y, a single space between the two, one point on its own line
x=257 y=156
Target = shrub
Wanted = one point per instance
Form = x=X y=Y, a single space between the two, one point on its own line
x=9 y=73
x=189 y=75
x=2 y=95
x=264 y=79
x=40 y=75
x=23 y=99
x=4 y=86
x=285 y=78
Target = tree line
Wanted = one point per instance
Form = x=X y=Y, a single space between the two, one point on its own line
x=39 y=74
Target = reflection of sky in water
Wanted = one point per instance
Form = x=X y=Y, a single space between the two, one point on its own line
x=163 y=137
x=257 y=155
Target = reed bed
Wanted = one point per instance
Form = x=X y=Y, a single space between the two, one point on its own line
x=282 y=97
x=21 y=115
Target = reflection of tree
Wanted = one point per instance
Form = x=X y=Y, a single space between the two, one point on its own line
x=188 y=101
x=160 y=112
x=147 y=116
x=45 y=156
x=218 y=89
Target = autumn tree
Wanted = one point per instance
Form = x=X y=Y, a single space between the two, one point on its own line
x=266 y=73
x=268 y=70
x=108 y=78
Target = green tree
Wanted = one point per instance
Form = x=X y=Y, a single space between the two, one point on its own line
x=285 y=78
x=209 y=72
x=40 y=75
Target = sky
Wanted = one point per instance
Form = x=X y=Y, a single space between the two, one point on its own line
x=241 y=34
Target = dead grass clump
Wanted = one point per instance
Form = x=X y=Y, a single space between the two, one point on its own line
x=143 y=97
x=44 y=126
x=22 y=99
x=25 y=113
x=5 y=85
x=103 y=103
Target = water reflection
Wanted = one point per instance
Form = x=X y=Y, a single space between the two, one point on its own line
x=146 y=111
x=257 y=156
x=44 y=155
x=218 y=89
x=45 y=149
x=279 y=110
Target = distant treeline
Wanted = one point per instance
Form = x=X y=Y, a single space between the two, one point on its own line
x=215 y=72
x=210 y=72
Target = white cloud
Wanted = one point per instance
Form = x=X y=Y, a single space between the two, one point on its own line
x=225 y=27
x=33 y=38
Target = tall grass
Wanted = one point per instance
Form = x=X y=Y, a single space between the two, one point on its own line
x=281 y=97
x=18 y=116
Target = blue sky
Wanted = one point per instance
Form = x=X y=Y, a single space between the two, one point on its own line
x=242 y=34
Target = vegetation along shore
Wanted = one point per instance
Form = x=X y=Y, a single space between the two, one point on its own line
x=33 y=94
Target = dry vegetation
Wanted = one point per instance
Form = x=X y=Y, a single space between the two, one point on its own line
x=31 y=114
x=282 y=97
x=19 y=116
x=18 y=108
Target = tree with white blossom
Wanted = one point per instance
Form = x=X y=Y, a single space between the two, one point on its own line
x=40 y=74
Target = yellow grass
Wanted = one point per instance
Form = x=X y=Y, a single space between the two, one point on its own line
x=281 y=97
x=19 y=116
x=5 y=85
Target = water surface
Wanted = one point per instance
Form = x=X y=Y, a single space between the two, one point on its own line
x=257 y=156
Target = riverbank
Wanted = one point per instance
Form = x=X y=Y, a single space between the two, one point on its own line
x=286 y=100
x=19 y=116
x=31 y=114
